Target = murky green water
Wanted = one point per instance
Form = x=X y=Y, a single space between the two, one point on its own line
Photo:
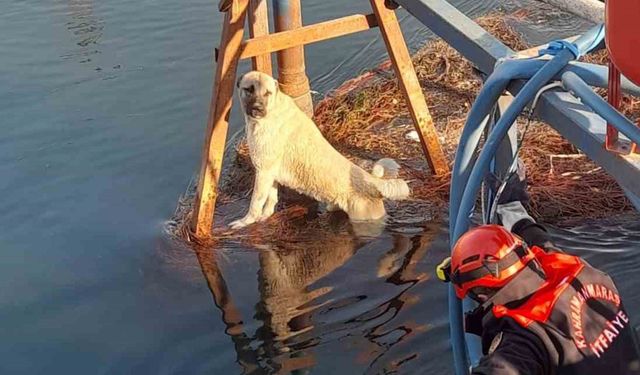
x=102 y=114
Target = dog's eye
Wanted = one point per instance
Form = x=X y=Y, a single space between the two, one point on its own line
x=247 y=90
x=267 y=93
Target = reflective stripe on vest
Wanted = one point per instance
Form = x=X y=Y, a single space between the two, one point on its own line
x=560 y=270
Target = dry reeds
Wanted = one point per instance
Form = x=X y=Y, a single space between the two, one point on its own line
x=366 y=119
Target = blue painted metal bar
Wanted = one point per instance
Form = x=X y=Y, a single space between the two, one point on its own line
x=483 y=49
x=581 y=90
x=586 y=130
x=502 y=163
x=635 y=199
x=471 y=40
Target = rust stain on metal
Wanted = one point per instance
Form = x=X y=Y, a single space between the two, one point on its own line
x=259 y=27
x=288 y=41
x=217 y=125
x=308 y=34
x=291 y=68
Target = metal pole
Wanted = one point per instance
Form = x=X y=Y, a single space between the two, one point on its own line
x=613 y=96
x=291 y=69
x=410 y=86
x=217 y=123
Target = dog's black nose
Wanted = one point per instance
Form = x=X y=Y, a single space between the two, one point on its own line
x=256 y=111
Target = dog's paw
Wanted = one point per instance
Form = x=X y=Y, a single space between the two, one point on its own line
x=241 y=223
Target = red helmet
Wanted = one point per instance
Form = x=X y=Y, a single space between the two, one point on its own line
x=487 y=256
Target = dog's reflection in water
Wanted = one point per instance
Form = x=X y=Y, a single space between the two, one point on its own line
x=288 y=269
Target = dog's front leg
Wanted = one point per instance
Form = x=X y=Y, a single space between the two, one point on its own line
x=262 y=186
x=270 y=205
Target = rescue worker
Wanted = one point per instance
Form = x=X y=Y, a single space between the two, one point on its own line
x=541 y=311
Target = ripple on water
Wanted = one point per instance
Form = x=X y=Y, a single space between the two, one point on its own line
x=103 y=106
x=326 y=295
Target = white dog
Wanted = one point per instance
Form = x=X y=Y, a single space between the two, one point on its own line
x=286 y=148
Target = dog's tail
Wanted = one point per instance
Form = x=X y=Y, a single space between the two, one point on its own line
x=386 y=180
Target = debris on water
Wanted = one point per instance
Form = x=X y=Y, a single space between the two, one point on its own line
x=366 y=119
x=450 y=84
x=412 y=136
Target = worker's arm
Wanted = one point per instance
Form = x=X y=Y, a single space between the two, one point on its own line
x=515 y=218
x=515 y=352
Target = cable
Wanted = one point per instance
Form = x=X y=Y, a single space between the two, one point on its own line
x=513 y=166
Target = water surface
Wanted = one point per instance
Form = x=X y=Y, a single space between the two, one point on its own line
x=102 y=113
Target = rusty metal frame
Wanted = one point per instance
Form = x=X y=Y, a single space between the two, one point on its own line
x=258 y=48
x=308 y=34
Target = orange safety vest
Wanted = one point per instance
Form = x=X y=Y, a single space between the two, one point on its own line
x=560 y=270
x=576 y=312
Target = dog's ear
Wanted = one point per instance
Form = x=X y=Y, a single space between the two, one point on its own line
x=277 y=85
x=239 y=80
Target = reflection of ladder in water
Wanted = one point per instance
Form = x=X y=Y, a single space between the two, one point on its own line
x=259 y=48
x=288 y=281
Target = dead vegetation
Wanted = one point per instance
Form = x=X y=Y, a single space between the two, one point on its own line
x=366 y=119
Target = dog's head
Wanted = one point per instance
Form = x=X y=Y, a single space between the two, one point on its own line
x=257 y=93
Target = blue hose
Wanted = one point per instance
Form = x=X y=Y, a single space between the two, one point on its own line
x=481 y=166
x=466 y=153
x=480 y=169
x=505 y=73
x=466 y=182
x=465 y=158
